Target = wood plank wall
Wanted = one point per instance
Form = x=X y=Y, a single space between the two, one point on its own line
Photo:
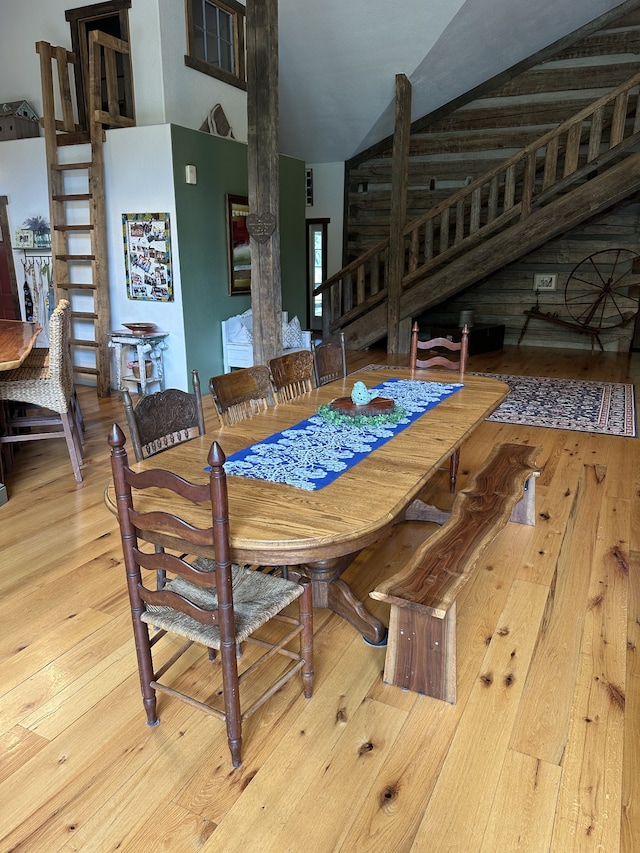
x=470 y=140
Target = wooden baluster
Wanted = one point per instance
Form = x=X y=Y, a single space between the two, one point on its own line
x=619 y=119
x=572 y=153
x=444 y=230
x=595 y=134
x=459 y=234
x=428 y=240
x=509 y=187
x=476 y=207
x=550 y=163
x=492 y=207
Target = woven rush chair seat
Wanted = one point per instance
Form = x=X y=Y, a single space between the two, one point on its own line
x=257 y=597
x=241 y=394
x=208 y=601
x=329 y=361
x=292 y=374
x=45 y=382
x=438 y=352
x=162 y=420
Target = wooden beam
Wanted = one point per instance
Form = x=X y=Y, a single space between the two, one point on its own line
x=399 y=174
x=263 y=221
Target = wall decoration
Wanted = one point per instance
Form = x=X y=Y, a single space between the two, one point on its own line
x=239 y=248
x=147 y=256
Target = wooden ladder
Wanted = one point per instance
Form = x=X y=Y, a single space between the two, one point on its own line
x=75 y=167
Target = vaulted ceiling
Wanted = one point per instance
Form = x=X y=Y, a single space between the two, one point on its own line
x=339 y=58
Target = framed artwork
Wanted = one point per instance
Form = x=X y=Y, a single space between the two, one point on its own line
x=147 y=256
x=239 y=248
x=545 y=281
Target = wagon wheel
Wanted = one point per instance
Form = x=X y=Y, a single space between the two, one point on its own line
x=602 y=292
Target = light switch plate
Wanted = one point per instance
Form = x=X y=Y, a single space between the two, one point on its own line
x=190 y=175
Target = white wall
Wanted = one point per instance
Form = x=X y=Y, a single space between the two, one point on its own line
x=139 y=179
x=165 y=90
x=190 y=95
x=328 y=203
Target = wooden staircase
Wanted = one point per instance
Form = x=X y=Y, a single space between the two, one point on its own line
x=572 y=173
x=75 y=165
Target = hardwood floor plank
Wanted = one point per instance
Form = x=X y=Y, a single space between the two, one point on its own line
x=458 y=811
x=630 y=818
x=528 y=787
x=589 y=805
x=542 y=723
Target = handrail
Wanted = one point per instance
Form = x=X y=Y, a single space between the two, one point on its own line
x=527 y=180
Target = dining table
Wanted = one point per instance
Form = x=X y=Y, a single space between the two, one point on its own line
x=321 y=530
x=16 y=342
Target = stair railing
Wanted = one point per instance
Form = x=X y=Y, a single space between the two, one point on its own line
x=526 y=181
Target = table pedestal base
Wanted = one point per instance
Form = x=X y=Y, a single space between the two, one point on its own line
x=330 y=591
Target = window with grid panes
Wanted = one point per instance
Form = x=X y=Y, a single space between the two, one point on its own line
x=215 y=37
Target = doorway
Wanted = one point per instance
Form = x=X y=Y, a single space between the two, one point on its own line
x=316 y=269
x=9 y=300
x=111 y=18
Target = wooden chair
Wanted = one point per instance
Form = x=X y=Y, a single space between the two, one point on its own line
x=435 y=358
x=209 y=601
x=329 y=361
x=46 y=383
x=241 y=393
x=292 y=374
x=164 y=419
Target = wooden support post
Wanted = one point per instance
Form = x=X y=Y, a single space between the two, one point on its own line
x=263 y=222
x=399 y=168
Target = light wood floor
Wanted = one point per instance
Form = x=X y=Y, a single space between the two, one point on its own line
x=541 y=751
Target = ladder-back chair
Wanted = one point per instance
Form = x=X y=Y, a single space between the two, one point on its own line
x=209 y=601
x=329 y=361
x=161 y=420
x=45 y=383
x=434 y=357
x=241 y=393
x=292 y=374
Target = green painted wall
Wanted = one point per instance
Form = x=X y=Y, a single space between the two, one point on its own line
x=201 y=231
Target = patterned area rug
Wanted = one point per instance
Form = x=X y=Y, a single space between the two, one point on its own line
x=608 y=408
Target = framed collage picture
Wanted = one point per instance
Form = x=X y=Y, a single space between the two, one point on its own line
x=147 y=256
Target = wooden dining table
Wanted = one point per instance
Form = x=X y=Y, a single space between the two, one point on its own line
x=323 y=530
x=16 y=342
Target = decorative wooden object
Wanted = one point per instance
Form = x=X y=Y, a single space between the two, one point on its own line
x=377 y=406
x=421 y=650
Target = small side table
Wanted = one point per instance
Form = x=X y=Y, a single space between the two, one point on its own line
x=149 y=346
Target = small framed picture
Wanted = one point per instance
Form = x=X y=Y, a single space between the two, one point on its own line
x=24 y=239
x=239 y=245
x=545 y=281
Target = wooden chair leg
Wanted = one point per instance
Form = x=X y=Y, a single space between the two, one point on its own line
x=68 y=426
x=306 y=638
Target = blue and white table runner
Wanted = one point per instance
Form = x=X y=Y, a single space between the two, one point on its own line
x=313 y=453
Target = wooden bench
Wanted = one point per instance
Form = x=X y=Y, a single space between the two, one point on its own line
x=421 y=649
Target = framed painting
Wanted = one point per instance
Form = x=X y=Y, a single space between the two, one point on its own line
x=147 y=256
x=239 y=247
